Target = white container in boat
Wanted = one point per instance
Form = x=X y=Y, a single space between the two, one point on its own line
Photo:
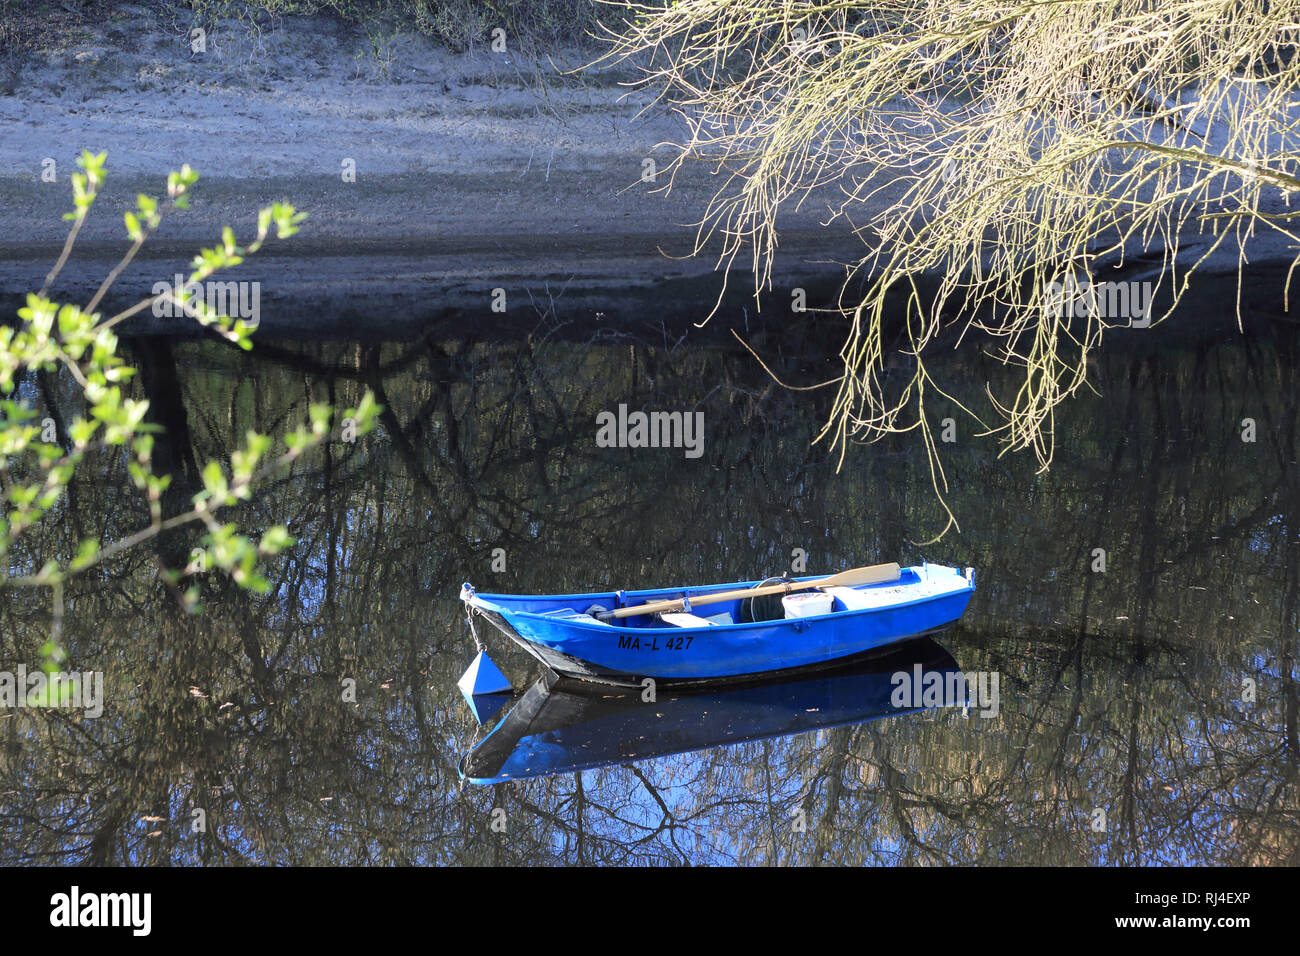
x=807 y=603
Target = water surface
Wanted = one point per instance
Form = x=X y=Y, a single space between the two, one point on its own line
x=1121 y=691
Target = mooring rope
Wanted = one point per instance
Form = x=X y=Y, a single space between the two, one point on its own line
x=469 y=617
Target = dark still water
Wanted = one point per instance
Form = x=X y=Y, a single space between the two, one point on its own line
x=1148 y=713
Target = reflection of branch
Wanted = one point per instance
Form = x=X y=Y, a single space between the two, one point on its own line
x=833 y=771
x=200 y=512
x=668 y=820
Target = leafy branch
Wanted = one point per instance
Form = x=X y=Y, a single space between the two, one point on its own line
x=35 y=473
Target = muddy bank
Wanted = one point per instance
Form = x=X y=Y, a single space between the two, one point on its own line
x=431 y=178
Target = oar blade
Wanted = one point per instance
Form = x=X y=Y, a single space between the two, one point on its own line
x=857 y=577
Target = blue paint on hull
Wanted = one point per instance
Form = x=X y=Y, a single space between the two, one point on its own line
x=555 y=629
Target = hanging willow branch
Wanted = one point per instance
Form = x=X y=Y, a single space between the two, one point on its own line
x=990 y=153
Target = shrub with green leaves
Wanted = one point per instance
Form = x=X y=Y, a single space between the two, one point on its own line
x=78 y=341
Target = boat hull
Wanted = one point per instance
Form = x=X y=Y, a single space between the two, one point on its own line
x=926 y=599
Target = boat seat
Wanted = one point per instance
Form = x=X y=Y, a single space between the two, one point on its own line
x=572 y=614
x=859 y=600
x=682 y=619
x=563 y=612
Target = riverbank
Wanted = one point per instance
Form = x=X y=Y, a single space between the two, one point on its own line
x=430 y=177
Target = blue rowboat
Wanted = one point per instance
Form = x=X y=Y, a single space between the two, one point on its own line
x=564 y=633
x=563 y=726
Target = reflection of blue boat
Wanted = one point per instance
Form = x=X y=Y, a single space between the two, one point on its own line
x=586 y=635
x=561 y=727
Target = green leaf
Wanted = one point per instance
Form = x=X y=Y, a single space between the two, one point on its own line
x=215 y=481
x=86 y=553
x=275 y=540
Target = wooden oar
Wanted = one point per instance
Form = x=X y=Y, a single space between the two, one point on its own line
x=854 y=577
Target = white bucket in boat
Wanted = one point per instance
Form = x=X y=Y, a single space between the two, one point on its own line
x=807 y=603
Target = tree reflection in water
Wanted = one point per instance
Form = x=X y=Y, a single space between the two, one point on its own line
x=1121 y=691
